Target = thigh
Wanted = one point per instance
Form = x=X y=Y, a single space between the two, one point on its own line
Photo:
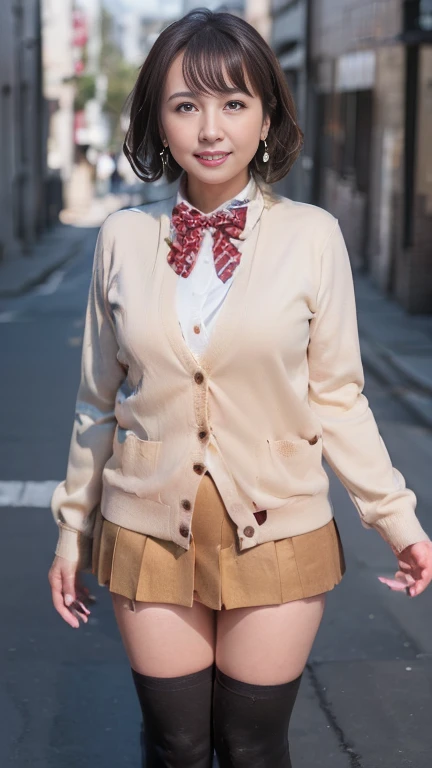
x=164 y=640
x=270 y=644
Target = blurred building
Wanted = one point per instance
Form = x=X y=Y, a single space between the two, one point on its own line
x=22 y=128
x=289 y=40
x=139 y=25
x=231 y=6
x=60 y=65
x=91 y=124
x=369 y=126
x=258 y=13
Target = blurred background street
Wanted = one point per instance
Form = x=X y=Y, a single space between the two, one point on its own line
x=361 y=74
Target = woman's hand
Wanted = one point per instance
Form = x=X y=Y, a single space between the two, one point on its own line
x=415 y=569
x=66 y=588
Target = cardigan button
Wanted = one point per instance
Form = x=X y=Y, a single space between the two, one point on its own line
x=249 y=531
x=199 y=468
x=203 y=434
x=199 y=377
x=186 y=504
x=184 y=531
x=197 y=329
x=313 y=440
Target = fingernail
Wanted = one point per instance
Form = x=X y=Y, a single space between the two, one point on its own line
x=68 y=599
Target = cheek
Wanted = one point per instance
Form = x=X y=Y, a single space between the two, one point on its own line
x=247 y=132
x=178 y=132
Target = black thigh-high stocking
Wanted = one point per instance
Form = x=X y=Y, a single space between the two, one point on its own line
x=251 y=722
x=177 y=719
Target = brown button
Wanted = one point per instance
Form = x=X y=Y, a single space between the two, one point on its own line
x=203 y=434
x=186 y=504
x=199 y=377
x=249 y=531
x=199 y=468
x=314 y=440
x=184 y=531
x=197 y=329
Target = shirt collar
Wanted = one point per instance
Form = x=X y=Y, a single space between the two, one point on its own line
x=250 y=194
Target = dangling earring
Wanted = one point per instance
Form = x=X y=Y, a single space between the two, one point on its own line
x=164 y=156
x=266 y=156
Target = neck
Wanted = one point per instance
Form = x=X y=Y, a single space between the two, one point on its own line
x=207 y=197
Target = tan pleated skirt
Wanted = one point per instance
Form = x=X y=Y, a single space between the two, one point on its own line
x=213 y=570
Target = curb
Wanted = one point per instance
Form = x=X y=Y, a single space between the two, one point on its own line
x=34 y=273
x=44 y=270
x=416 y=398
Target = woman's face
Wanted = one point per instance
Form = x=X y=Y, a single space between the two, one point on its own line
x=194 y=125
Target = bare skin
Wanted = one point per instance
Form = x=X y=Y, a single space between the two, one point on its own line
x=266 y=645
x=227 y=123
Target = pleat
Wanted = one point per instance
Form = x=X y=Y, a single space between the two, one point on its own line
x=250 y=577
x=317 y=554
x=97 y=533
x=214 y=571
x=208 y=524
x=106 y=551
x=166 y=574
x=126 y=562
x=289 y=570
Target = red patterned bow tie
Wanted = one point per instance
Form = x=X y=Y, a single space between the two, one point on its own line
x=190 y=224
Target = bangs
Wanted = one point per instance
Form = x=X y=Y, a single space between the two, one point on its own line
x=214 y=63
x=222 y=54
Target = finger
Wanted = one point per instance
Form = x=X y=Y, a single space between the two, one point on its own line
x=83 y=597
x=394 y=584
x=58 y=601
x=406 y=578
x=75 y=612
x=421 y=583
x=404 y=564
x=69 y=590
x=79 y=606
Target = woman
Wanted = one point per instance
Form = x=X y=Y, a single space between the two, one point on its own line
x=220 y=362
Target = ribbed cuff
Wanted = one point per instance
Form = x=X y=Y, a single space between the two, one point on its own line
x=401 y=530
x=74 y=546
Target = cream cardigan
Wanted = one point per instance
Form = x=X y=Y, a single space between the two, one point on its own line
x=279 y=386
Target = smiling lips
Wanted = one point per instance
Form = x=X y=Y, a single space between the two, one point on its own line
x=215 y=156
x=212 y=158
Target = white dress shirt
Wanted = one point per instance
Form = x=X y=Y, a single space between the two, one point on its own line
x=199 y=297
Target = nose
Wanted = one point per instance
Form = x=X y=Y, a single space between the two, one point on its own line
x=210 y=128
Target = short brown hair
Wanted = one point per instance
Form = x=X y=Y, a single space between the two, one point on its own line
x=211 y=42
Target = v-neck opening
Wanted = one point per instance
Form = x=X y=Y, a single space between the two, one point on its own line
x=229 y=313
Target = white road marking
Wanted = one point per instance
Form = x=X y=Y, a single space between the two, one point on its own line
x=8 y=317
x=51 y=284
x=17 y=493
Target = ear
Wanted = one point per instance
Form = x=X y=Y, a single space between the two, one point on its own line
x=265 y=128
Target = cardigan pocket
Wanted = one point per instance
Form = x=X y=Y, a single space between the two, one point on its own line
x=132 y=456
x=291 y=467
x=133 y=468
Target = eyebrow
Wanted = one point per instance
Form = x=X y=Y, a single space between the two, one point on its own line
x=190 y=95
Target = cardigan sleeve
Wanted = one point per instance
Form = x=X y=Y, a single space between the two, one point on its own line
x=75 y=499
x=352 y=444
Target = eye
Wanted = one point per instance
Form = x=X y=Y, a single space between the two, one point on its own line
x=238 y=103
x=179 y=108
x=187 y=108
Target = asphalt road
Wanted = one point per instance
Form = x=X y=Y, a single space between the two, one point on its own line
x=66 y=696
